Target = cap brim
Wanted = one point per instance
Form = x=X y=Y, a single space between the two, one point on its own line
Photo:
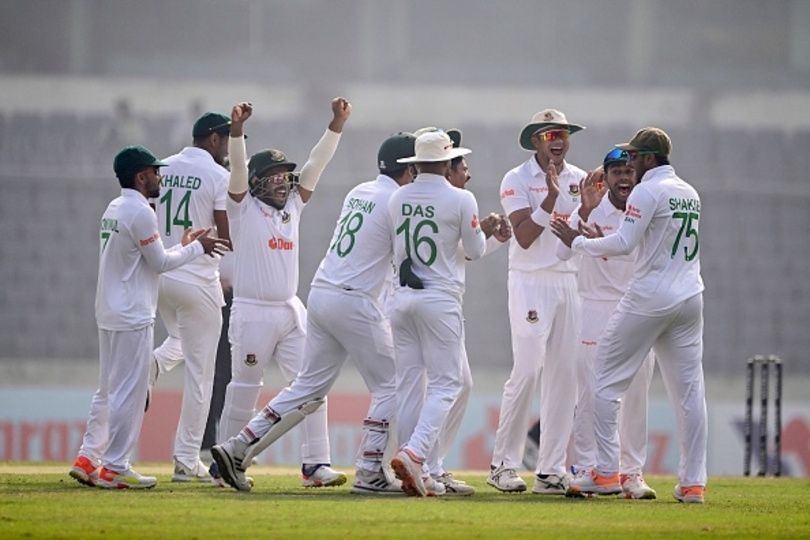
x=451 y=154
x=290 y=167
x=625 y=146
x=531 y=129
x=160 y=164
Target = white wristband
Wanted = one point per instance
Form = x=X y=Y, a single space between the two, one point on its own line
x=541 y=217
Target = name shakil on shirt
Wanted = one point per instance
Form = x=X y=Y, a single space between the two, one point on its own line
x=690 y=205
x=180 y=181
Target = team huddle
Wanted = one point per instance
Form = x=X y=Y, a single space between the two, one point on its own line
x=604 y=280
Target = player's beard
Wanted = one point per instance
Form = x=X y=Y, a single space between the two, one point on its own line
x=153 y=193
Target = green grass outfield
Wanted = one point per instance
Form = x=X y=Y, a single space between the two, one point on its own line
x=42 y=501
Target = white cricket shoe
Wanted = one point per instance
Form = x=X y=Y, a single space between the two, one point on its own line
x=85 y=470
x=634 y=487
x=128 y=479
x=375 y=483
x=324 y=476
x=228 y=457
x=506 y=480
x=198 y=473
x=594 y=483
x=409 y=470
x=454 y=486
x=550 y=484
x=689 y=494
x=433 y=488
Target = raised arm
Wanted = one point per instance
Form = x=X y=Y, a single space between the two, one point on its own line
x=323 y=151
x=238 y=183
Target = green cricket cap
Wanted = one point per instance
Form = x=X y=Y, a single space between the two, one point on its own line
x=211 y=122
x=261 y=161
x=133 y=159
x=397 y=146
x=649 y=139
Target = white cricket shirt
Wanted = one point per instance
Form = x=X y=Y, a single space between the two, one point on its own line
x=192 y=186
x=663 y=220
x=429 y=217
x=360 y=251
x=130 y=259
x=602 y=278
x=525 y=187
x=265 y=248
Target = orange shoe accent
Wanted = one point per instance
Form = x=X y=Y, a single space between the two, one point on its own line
x=601 y=480
x=693 y=491
x=84 y=464
x=107 y=475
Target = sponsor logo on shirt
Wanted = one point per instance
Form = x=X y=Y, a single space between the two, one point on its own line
x=538 y=189
x=632 y=213
x=532 y=316
x=508 y=193
x=588 y=342
x=149 y=240
x=556 y=215
x=280 y=244
x=474 y=224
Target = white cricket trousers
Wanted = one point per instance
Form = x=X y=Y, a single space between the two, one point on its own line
x=192 y=315
x=343 y=323
x=544 y=319
x=677 y=340
x=116 y=412
x=259 y=332
x=428 y=330
x=447 y=435
x=633 y=411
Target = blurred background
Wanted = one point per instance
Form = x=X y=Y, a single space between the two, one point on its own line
x=728 y=79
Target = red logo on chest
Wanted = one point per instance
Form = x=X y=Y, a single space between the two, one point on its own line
x=280 y=244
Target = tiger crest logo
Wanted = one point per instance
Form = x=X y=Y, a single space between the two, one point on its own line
x=532 y=316
x=548 y=117
x=285 y=217
x=250 y=360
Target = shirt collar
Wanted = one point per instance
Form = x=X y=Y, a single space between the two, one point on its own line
x=197 y=152
x=536 y=171
x=430 y=177
x=608 y=206
x=131 y=193
x=659 y=172
x=385 y=179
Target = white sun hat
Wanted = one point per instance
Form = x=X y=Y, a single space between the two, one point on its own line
x=434 y=146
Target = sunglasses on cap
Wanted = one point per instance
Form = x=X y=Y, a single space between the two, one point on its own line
x=553 y=135
x=617 y=154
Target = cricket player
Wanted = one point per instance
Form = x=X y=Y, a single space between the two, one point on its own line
x=344 y=318
x=543 y=307
x=131 y=258
x=429 y=218
x=602 y=283
x=193 y=192
x=412 y=385
x=662 y=310
x=268 y=320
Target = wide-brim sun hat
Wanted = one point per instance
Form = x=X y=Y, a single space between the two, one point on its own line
x=545 y=119
x=434 y=147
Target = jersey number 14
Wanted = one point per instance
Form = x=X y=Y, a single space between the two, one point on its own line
x=182 y=207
